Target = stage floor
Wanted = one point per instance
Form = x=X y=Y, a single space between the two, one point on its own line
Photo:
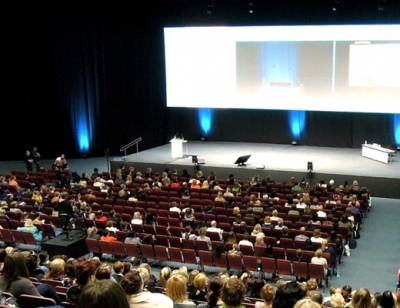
x=280 y=161
x=273 y=157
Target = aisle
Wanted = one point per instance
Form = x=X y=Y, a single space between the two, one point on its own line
x=374 y=263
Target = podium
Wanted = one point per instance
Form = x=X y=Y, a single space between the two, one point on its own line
x=177 y=147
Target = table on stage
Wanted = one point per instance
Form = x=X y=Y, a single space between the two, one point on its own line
x=376 y=152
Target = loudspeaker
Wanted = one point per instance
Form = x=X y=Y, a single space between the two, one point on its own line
x=107 y=152
x=194 y=159
x=310 y=166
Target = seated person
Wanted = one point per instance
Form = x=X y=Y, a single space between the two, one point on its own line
x=60 y=163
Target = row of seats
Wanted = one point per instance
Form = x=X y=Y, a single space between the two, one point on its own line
x=259 y=264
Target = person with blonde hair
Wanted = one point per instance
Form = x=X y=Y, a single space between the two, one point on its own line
x=202 y=237
x=316 y=238
x=137 y=219
x=56 y=270
x=318 y=259
x=92 y=233
x=337 y=300
x=257 y=230
x=165 y=274
x=306 y=303
x=267 y=223
x=274 y=216
x=260 y=240
x=30 y=227
x=199 y=292
x=177 y=290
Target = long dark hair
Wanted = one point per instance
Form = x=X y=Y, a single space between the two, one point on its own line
x=15 y=267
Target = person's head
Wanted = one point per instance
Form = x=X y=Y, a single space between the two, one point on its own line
x=361 y=299
x=137 y=215
x=28 y=223
x=346 y=292
x=257 y=229
x=288 y=294
x=132 y=283
x=317 y=233
x=200 y=281
x=214 y=289
x=56 y=269
x=311 y=284
x=102 y=294
x=15 y=267
x=203 y=231
x=233 y=292
x=103 y=272
x=231 y=237
x=275 y=213
x=176 y=289
x=316 y=296
x=85 y=271
x=306 y=303
x=267 y=293
x=337 y=300
x=285 y=231
x=165 y=273
x=388 y=300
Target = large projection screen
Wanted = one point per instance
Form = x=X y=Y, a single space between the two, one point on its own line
x=320 y=68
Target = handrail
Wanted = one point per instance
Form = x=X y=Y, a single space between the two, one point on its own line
x=125 y=147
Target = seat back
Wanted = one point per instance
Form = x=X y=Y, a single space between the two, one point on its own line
x=30 y=301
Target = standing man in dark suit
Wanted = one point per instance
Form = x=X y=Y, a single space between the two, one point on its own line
x=36 y=158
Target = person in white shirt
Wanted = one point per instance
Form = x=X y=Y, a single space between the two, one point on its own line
x=174 y=207
x=98 y=182
x=318 y=259
x=301 y=204
x=137 y=219
x=245 y=241
x=214 y=228
x=316 y=238
x=134 y=287
x=321 y=212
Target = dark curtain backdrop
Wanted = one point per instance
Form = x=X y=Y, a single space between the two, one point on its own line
x=96 y=69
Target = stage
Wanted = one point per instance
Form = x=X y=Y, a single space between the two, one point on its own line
x=74 y=248
x=280 y=161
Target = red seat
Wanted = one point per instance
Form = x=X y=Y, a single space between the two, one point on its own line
x=175 y=254
x=284 y=267
x=93 y=246
x=206 y=258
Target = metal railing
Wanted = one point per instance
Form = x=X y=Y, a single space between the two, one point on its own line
x=130 y=144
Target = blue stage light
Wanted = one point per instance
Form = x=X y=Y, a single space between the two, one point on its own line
x=297 y=121
x=205 y=116
x=396 y=128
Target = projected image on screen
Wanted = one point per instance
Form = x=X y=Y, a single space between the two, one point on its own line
x=283 y=72
x=323 y=68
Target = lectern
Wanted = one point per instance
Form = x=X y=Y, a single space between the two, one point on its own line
x=176 y=147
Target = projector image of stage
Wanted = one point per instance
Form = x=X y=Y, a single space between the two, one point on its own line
x=281 y=161
x=74 y=248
